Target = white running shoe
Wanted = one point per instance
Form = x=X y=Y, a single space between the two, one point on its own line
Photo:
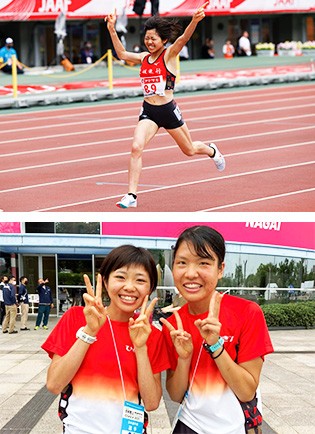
x=128 y=201
x=218 y=158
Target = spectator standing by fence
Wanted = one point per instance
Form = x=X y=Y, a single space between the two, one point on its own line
x=228 y=50
x=6 y=54
x=207 y=50
x=86 y=54
x=244 y=47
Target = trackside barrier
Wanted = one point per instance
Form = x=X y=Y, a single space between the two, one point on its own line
x=73 y=73
x=14 y=76
x=110 y=60
x=110 y=69
x=3 y=64
x=14 y=71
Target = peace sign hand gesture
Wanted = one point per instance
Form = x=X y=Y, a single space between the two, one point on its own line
x=181 y=339
x=94 y=311
x=140 y=329
x=210 y=327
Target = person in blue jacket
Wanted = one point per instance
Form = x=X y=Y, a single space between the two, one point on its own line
x=10 y=306
x=6 y=54
x=46 y=303
x=23 y=302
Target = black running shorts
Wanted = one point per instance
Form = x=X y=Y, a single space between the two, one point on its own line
x=167 y=115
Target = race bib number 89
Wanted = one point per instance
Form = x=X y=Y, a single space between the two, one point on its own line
x=153 y=86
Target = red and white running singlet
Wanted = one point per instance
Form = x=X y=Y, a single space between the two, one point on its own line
x=155 y=77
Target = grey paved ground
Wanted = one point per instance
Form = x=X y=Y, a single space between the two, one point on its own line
x=287 y=386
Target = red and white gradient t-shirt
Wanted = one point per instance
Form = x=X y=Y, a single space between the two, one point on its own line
x=212 y=407
x=96 y=403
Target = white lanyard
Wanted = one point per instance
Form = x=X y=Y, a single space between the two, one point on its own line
x=189 y=389
x=117 y=355
x=133 y=414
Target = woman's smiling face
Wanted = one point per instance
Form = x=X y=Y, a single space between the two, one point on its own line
x=194 y=276
x=127 y=287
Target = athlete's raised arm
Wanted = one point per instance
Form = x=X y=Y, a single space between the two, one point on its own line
x=122 y=53
x=182 y=40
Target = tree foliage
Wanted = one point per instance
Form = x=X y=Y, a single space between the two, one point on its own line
x=286 y=273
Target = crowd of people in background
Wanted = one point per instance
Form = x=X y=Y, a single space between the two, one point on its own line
x=87 y=56
x=14 y=300
x=240 y=49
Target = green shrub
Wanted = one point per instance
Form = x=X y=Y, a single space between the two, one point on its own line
x=300 y=314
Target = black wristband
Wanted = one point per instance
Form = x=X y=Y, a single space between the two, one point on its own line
x=218 y=354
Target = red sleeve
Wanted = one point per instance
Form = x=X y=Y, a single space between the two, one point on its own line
x=254 y=340
x=157 y=351
x=63 y=335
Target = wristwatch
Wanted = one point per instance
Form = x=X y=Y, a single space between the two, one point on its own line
x=84 y=337
x=212 y=348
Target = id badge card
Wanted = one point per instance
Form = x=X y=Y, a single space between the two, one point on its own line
x=133 y=419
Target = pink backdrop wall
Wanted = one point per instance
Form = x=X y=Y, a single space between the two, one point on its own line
x=288 y=234
x=298 y=235
x=10 y=227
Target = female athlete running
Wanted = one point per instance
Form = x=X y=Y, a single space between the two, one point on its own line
x=158 y=76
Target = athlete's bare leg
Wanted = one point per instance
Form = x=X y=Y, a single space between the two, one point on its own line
x=144 y=132
x=182 y=137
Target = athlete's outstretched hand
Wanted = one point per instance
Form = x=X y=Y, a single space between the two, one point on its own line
x=210 y=327
x=111 y=20
x=181 y=339
x=140 y=328
x=200 y=14
x=94 y=311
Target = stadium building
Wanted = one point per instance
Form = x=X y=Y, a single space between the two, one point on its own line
x=259 y=254
x=31 y=24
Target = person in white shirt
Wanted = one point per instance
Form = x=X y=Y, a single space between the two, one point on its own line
x=244 y=47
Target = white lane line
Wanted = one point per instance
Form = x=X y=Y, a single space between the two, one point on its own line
x=189 y=161
x=157 y=135
x=121 y=154
x=261 y=199
x=185 y=184
x=135 y=116
x=235 y=95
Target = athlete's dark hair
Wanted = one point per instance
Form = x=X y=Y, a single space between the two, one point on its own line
x=204 y=240
x=127 y=255
x=165 y=28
